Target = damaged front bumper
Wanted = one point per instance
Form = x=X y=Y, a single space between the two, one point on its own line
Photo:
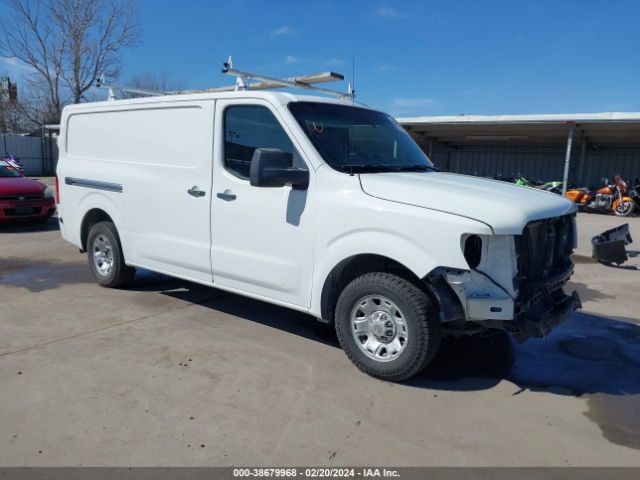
x=540 y=307
x=544 y=267
x=609 y=246
x=547 y=314
x=553 y=312
x=518 y=283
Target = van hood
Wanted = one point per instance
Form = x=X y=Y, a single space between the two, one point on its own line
x=505 y=207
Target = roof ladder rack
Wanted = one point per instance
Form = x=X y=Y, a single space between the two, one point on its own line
x=265 y=82
x=100 y=83
x=243 y=82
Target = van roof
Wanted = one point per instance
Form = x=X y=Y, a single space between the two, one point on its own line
x=276 y=98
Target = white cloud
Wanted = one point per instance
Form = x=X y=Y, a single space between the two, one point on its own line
x=14 y=69
x=333 y=62
x=386 y=68
x=413 y=105
x=284 y=30
x=289 y=59
x=405 y=102
x=13 y=64
x=389 y=12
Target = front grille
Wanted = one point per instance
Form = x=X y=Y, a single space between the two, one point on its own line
x=22 y=211
x=20 y=197
x=544 y=248
x=544 y=263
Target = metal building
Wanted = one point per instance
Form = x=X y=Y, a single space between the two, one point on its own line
x=8 y=90
x=587 y=146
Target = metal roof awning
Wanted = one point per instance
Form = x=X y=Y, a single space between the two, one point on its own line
x=612 y=129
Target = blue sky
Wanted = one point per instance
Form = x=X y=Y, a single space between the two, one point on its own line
x=411 y=58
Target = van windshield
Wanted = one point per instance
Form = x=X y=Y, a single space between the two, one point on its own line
x=353 y=139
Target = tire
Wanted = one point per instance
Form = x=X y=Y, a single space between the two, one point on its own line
x=626 y=209
x=106 y=260
x=415 y=317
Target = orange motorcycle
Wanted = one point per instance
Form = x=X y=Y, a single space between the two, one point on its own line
x=610 y=197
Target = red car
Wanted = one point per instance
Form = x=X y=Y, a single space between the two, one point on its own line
x=22 y=198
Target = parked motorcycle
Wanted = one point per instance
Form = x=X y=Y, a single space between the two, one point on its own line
x=14 y=162
x=612 y=196
x=634 y=192
x=553 y=186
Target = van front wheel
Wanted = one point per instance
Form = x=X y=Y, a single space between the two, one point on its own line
x=388 y=327
x=105 y=256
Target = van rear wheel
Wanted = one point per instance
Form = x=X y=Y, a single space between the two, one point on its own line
x=388 y=327
x=105 y=256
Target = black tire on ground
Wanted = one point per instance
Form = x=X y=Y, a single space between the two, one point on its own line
x=420 y=314
x=119 y=274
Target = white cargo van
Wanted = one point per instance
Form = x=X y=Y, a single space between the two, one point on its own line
x=318 y=205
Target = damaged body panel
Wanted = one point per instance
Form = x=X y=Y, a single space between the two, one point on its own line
x=609 y=246
x=516 y=282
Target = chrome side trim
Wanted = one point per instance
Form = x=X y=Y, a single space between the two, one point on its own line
x=81 y=182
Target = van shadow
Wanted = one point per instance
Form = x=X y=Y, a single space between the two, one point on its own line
x=587 y=354
x=287 y=320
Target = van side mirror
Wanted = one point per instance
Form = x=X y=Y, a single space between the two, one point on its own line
x=271 y=167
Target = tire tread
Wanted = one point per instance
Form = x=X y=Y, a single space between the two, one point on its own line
x=123 y=273
x=423 y=308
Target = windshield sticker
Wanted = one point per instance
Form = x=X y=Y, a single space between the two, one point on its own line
x=313 y=126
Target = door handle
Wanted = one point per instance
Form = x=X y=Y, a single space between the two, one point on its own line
x=227 y=195
x=196 y=192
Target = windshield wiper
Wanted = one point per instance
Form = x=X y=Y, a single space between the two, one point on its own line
x=419 y=167
x=365 y=167
x=379 y=167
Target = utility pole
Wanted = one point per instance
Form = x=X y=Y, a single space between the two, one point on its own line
x=567 y=158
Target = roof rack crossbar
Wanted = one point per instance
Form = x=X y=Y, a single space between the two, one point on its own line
x=100 y=83
x=263 y=82
x=304 y=82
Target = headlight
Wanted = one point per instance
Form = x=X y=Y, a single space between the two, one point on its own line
x=48 y=192
x=473 y=250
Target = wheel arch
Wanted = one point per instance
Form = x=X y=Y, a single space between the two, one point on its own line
x=91 y=217
x=354 y=266
x=94 y=207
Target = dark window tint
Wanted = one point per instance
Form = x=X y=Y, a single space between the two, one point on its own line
x=247 y=128
x=8 y=171
x=358 y=139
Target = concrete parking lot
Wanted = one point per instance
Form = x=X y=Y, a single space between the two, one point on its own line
x=171 y=373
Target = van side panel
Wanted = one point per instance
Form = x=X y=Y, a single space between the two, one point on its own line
x=142 y=160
